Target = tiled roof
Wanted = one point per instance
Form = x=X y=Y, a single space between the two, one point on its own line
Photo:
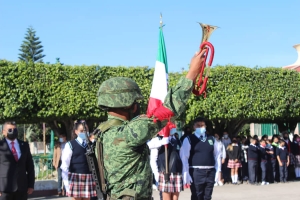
x=293 y=67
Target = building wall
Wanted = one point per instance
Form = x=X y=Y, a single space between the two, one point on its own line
x=268 y=129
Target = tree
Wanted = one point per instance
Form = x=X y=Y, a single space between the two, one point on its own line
x=239 y=95
x=31 y=48
x=58 y=94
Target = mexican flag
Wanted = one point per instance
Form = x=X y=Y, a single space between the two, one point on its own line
x=159 y=88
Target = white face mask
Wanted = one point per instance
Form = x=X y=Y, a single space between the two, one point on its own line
x=200 y=132
x=225 y=136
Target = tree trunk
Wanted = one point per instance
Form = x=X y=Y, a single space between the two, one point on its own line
x=66 y=126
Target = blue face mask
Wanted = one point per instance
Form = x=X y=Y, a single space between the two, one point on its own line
x=61 y=140
x=200 y=132
x=82 y=136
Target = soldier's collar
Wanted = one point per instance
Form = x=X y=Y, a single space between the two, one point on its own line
x=114 y=117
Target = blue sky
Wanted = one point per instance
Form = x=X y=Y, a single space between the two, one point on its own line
x=119 y=32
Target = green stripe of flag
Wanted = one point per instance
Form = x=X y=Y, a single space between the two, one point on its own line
x=162 y=52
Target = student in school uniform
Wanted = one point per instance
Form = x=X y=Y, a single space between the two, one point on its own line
x=234 y=163
x=76 y=174
x=252 y=161
x=263 y=153
x=244 y=160
x=198 y=154
x=225 y=171
x=170 y=190
x=271 y=166
x=275 y=145
x=219 y=160
x=283 y=160
x=296 y=153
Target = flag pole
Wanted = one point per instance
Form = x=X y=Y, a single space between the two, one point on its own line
x=167 y=178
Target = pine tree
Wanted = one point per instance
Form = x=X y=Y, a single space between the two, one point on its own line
x=31 y=49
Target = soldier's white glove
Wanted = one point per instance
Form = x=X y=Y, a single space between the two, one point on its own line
x=164 y=141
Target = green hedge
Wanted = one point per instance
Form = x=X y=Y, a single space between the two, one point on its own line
x=45 y=92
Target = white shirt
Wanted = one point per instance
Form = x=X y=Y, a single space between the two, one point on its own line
x=16 y=145
x=154 y=144
x=185 y=155
x=221 y=151
x=65 y=162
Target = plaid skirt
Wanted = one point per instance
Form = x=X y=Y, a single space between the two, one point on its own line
x=81 y=186
x=174 y=185
x=232 y=164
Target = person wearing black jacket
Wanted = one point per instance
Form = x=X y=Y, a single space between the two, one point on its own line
x=263 y=153
x=283 y=160
x=295 y=148
x=234 y=163
x=16 y=165
x=271 y=166
x=252 y=161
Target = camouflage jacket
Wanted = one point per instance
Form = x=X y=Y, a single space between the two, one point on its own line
x=125 y=153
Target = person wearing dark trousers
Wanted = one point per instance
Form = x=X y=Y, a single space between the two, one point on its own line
x=275 y=145
x=283 y=160
x=198 y=154
x=16 y=165
x=225 y=171
x=263 y=154
x=252 y=161
x=290 y=168
x=271 y=166
x=296 y=154
x=244 y=160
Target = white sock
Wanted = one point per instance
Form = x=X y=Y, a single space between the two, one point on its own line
x=297 y=172
x=232 y=178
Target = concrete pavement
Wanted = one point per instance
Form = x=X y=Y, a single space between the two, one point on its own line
x=290 y=191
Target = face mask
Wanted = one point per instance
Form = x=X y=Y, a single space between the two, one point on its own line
x=82 y=136
x=61 y=140
x=285 y=137
x=93 y=140
x=12 y=133
x=268 y=145
x=200 y=131
x=225 y=136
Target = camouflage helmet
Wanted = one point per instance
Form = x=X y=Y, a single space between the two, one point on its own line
x=118 y=92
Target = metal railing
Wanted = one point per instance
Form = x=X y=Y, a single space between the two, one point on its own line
x=43 y=167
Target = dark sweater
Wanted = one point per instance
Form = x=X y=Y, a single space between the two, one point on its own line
x=263 y=154
x=283 y=154
x=295 y=148
x=252 y=152
x=271 y=156
x=235 y=153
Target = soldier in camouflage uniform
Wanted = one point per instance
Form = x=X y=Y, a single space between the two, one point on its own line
x=125 y=153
